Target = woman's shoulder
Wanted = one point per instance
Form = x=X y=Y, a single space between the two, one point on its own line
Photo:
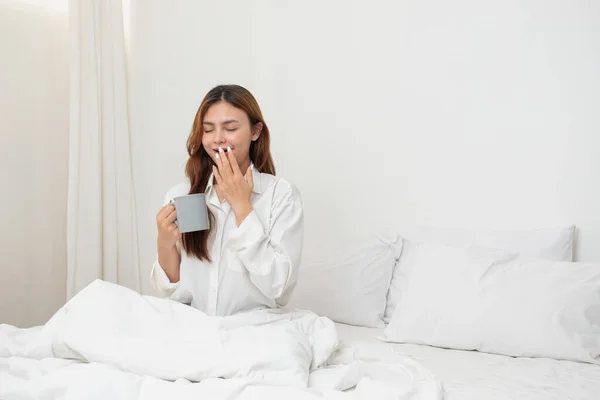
x=280 y=186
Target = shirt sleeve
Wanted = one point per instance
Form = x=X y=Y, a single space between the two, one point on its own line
x=271 y=250
x=166 y=288
x=161 y=281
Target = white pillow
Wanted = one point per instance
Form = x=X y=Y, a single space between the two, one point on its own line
x=554 y=244
x=350 y=287
x=497 y=302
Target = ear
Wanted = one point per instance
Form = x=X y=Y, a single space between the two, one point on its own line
x=257 y=129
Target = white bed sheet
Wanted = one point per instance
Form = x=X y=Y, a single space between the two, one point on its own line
x=110 y=342
x=469 y=375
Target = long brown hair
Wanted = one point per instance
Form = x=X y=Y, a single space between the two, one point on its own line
x=199 y=165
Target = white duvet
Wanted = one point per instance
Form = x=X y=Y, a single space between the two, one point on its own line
x=109 y=342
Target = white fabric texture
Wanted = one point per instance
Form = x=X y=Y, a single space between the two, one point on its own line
x=471 y=375
x=497 y=302
x=350 y=287
x=111 y=341
x=253 y=265
x=101 y=214
x=555 y=244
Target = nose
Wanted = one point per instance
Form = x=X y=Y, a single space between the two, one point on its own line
x=219 y=137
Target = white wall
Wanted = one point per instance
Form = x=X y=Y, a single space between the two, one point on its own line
x=464 y=113
x=33 y=166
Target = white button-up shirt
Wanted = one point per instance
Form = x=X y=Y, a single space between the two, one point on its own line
x=254 y=265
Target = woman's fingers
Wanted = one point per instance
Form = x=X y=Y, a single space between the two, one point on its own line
x=235 y=168
x=172 y=216
x=164 y=212
x=219 y=161
x=217 y=175
x=173 y=229
x=225 y=168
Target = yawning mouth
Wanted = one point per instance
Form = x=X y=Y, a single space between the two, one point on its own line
x=224 y=149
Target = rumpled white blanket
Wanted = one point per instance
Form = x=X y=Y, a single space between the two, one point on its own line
x=109 y=342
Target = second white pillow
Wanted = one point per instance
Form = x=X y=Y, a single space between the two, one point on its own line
x=498 y=302
x=555 y=244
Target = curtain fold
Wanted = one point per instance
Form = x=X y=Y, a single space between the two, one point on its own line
x=102 y=240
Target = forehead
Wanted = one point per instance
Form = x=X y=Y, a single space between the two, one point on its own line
x=223 y=111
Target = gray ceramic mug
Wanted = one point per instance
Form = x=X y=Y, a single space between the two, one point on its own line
x=192 y=212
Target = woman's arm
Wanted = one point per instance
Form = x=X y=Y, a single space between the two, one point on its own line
x=165 y=271
x=170 y=260
x=271 y=254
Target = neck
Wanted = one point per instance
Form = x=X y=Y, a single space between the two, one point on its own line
x=245 y=165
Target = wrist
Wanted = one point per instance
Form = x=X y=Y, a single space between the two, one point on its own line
x=242 y=211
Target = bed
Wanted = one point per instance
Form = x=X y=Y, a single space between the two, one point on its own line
x=493 y=314
x=490 y=316
x=463 y=375
x=470 y=375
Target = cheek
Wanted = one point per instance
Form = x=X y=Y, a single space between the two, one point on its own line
x=208 y=149
x=241 y=141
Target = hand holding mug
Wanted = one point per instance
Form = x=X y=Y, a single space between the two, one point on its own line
x=168 y=232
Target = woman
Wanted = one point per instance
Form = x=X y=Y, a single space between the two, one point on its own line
x=249 y=257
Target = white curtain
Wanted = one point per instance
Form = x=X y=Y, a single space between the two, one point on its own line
x=102 y=239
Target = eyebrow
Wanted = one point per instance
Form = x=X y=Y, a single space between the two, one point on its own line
x=229 y=121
